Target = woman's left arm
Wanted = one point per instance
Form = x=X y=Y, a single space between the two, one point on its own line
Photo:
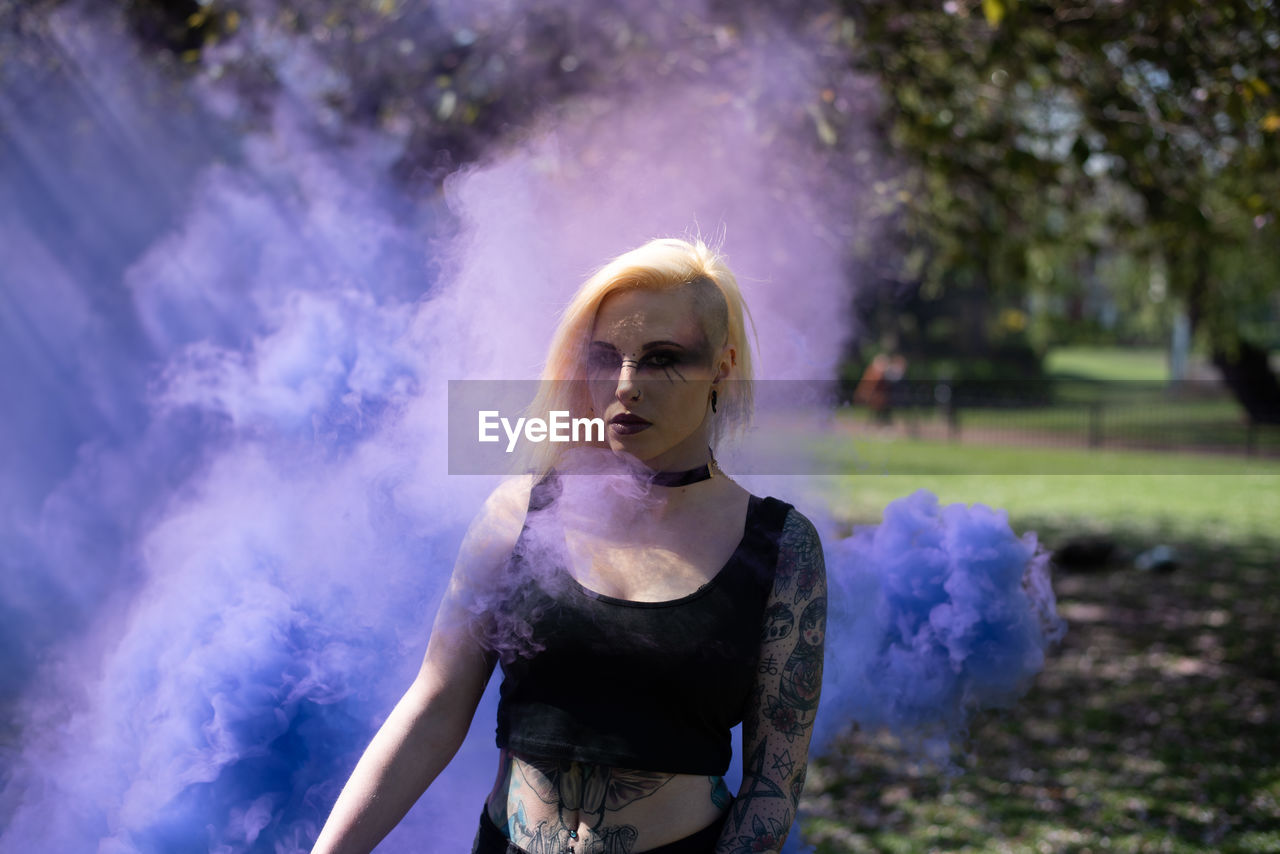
x=779 y=718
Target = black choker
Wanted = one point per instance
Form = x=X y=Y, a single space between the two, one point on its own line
x=683 y=478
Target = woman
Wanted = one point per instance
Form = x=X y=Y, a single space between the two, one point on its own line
x=638 y=614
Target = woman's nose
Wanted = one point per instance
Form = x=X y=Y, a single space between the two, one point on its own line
x=627 y=387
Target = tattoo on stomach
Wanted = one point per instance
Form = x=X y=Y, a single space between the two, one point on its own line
x=582 y=794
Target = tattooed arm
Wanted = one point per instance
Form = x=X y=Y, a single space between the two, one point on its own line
x=779 y=718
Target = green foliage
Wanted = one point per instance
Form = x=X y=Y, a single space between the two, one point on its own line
x=1038 y=139
x=454 y=83
x=1041 y=156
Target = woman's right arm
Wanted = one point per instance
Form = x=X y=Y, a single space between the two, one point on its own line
x=427 y=726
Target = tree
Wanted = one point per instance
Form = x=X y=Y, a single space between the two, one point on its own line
x=1088 y=126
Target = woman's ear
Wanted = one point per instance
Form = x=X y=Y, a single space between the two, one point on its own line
x=728 y=360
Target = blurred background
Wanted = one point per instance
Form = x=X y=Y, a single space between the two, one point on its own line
x=243 y=243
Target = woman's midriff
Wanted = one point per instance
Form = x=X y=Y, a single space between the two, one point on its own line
x=555 y=805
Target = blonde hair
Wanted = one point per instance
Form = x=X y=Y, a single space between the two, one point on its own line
x=666 y=264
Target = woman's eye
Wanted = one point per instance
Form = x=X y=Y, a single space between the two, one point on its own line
x=603 y=360
x=659 y=360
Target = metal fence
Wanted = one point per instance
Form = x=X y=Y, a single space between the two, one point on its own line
x=1194 y=416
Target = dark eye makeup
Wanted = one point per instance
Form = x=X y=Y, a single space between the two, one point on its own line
x=603 y=359
x=602 y=356
x=660 y=359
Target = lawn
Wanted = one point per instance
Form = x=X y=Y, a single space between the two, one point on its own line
x=1156 y=724
x=1112 y=414
x=1112 y=491
x=1114 y=396
x=1108 y=363
x=1013 y=452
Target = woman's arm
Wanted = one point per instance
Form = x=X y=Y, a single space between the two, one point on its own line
x=427 y=726
x=779 y=719
x=412 y=747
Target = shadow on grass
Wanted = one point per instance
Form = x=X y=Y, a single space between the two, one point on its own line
x=1154 y=727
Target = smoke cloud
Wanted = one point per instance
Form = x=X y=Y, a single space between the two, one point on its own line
x=228 y=330
x=956 y=616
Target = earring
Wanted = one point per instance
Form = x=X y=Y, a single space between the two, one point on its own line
x=713 y=400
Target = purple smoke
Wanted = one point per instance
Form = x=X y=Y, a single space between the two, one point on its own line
x=937 y=612
x=227 y=331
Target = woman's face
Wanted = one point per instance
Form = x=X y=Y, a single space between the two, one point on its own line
x=650 y=370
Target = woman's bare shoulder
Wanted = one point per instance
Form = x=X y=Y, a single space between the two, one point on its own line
x=509 y=500
x=495 y=530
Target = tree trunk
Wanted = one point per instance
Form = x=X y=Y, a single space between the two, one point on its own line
x=1246 y=370
x=1245 y=367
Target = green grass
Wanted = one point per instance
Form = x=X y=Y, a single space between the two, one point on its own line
x=1137 y=404
x=1224 y=506
x=1121 y=414
x=1150 y=415
x=1155 y=727
x=1108 y=363
x=892 y=454
x=859 y=473
x=1105 y=490
x=1224 y=497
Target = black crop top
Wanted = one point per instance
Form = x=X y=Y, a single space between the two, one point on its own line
x=646 y=685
